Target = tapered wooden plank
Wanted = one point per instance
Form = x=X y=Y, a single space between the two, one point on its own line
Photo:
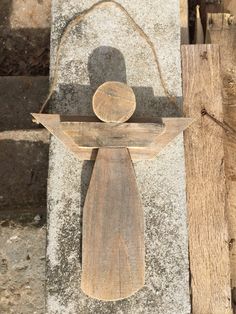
x=199 y=34
x=113 y=229
x=225 y=34
x=208 y=236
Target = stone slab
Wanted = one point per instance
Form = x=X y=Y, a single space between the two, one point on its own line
x=107 y=45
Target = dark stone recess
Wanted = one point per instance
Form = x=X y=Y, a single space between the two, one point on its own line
x=19 y=96
x=23 y=173
x=23 y=51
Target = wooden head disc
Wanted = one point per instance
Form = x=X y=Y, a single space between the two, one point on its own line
x=114 y=102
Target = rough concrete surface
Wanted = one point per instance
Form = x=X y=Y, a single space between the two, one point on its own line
x=22 y=269
x=107 y=46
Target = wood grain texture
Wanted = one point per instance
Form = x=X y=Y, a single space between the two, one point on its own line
x=207 y=7
x=173 y=127
x=225 y=35
x=114 y=102
x=208 y=236
x=113 y=229
x=97 y=134
x=184 y=21
x=199 y=34
x=230 y=6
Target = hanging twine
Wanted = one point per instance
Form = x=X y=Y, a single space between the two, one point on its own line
x=78 y=19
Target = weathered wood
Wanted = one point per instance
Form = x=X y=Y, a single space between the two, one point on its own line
x=114 y=102
x=218 y=22
x=199 y=34
x=225 y=35
x=208 y=7
x=113 y=229
x=184 y=21
x=90 y=47
x=98 y=134
x=230 y=6
x=208 y=236
x=173 y=127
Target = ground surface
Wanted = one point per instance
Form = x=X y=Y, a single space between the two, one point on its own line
x=22 y=268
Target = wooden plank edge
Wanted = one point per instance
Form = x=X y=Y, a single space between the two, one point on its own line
x=204 y=153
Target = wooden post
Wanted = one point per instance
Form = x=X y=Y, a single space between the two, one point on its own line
x=221 y=29
x=184 y=22
x=208 y=237
x=229 y=6
x=199 y=33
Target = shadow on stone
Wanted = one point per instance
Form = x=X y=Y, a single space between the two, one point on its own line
x=108 y=64
x=86 y=174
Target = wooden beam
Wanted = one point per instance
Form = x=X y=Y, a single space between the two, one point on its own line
x=208 y=236
x=207 y=7
x=224 y=33
x=184 y=21
x=230 y=6
x=223 y=6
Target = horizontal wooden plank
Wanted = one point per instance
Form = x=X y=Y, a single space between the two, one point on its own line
x=98 y=134
x=208 y=236
x=77 y=118
x=173 y=127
